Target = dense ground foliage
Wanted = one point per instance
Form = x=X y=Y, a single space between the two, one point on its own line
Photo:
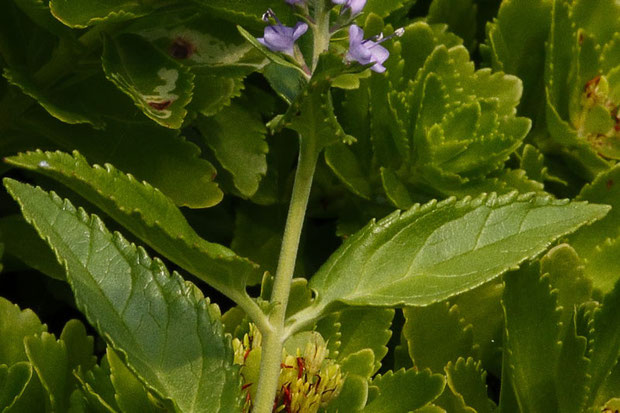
x=453 y=165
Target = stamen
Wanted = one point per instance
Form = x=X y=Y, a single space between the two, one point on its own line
x=397 y=33
x=270 y=14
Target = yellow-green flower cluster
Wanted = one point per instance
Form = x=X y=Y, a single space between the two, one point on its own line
x=309 y=380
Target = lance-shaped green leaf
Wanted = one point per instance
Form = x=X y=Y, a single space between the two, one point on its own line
x=531 y=347
x=163 y=327
x=160 y=86
x=148 y=214
x=84 y=13
x=422 y=387
x=572 y=369
x=438 y=250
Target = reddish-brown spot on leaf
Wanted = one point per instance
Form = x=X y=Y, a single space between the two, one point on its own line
x=160 y=105
x=182 y=48
x=609 y=183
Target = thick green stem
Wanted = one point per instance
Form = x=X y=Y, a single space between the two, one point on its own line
x=321 y=32
x=273 y=340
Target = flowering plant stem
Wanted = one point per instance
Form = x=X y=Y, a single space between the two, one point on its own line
x=273 y=339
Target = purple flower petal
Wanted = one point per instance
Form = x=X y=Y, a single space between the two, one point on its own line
x=366 y=51
x=280 y=38
x=295 y=1
x=356 y=6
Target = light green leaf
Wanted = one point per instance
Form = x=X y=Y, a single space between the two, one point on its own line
x=436 y=335
x=466 y=379
x=237 y=137
x=160 y=86
x=438 y=250
x=572 y=369
x=22 y=390
x=361 y=363
x=83 y=13
x=131 y=395
x=597 y=244
x=384 y=7
x=15 y=327
x=114 y=282
x=566 y=275
x=422 y=388
x=352 y=397
x=148 y=214
x=605 y=343
x=365 y=328
x=531 y=348
x=97 y=389
x=50 y=360
x=22 y=242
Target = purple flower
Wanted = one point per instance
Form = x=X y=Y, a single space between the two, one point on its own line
x=366 y=51
x=280 y=38
x=356 y=6
x=300 y=2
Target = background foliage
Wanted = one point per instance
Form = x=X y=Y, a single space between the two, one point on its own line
x=495 y=129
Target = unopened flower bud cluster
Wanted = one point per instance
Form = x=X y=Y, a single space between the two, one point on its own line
x=309 y=380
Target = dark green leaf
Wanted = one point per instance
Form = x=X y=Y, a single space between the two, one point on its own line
x=83 y=13
x=114 y=282
x=237 y=138
x=23 y=242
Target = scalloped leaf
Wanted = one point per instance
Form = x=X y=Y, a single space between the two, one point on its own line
x=572 y=369
x=598 y=244
x=516 y=41
x=422 y=388
x=436 y=335
x=22 y=390
x=605 y=343
x=160 y=86
x=365 y=328
x=460 y=18
x=567 y=277
x=131 y=395
x=343 y=162
x=531 y=347
x=83 y=13
x=50 y=360
x=65 y=104
x=131 y=300
x=352 y=397
x=466 y=379
x=96 y=388
x=148 y=214
x=15 y=327
x=438 y=250
x=237 y=138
